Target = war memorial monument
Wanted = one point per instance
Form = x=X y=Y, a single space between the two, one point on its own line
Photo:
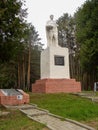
x=55 y=75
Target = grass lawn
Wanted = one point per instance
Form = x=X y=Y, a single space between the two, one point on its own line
x=18 y=121
x=68 y=106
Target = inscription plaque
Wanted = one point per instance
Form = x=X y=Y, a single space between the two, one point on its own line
x=59 y=60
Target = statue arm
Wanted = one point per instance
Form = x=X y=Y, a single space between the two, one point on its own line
x=49 y=27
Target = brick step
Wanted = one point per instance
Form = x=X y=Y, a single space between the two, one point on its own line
x=56 y=86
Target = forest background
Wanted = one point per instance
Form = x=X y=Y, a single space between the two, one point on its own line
x=20 y=45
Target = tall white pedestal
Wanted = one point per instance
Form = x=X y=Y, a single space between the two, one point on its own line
x=55 y=63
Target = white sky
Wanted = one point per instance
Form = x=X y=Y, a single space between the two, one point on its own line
x=40 y=10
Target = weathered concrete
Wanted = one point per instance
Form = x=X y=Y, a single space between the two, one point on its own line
x=52 y=121
x=92 y=96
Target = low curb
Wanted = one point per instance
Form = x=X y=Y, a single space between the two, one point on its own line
x=73 y=121
x=59 y=117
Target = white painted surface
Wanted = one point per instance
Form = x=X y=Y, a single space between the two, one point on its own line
x=48 y=67
x=52 y=32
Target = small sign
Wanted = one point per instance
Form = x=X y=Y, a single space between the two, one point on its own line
x=95 y=86
x=19 y=97
x=59 y=60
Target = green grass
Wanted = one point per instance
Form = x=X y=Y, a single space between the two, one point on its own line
x=18 y=121
x=68 y=106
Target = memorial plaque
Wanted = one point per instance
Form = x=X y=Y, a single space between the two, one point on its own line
x=59 y=60
x=19 y=97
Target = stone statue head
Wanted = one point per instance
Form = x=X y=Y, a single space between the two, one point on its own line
x=51 y=17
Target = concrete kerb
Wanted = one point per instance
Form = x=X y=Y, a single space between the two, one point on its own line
x=23 y=111
x=14 y=107
x=87 y=96
x=48 y=126
x=62 y=118
x=72 y=121
x=33 y=104
x=9 y=107
x=40 y=108
x=46 y=111
x=43 y=109
x=69 y=120
x=29 y=116
x=80 y=124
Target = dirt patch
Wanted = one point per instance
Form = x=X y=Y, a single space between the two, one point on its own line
x=45 y=128
x=93 y=124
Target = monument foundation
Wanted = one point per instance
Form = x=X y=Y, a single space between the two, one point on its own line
x=56 y=86
x=55 y=75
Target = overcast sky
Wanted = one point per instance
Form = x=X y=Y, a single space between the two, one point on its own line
x=40 y=10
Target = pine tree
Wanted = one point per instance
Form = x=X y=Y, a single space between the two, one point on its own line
x=12 y=26
x=87 y=37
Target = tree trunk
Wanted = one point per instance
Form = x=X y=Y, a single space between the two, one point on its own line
x=23 y=72
x=28 y=73
x=18 y=75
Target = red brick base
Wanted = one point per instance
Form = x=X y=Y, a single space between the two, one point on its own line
x=56 y=86
x=12 y=100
